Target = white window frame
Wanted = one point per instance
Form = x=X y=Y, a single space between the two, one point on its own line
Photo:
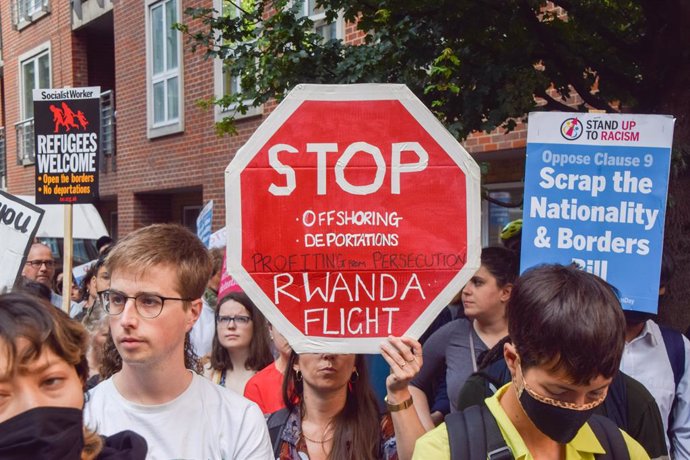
x=319 y=19
x=218 y=86
x=32 y=15
x=485 y=206
x=167 y=127
x=37 y=5
x=33 y=55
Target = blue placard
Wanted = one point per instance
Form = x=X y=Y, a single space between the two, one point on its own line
x=595 y=195
x=203 y=223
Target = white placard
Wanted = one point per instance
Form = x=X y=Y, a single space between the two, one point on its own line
x=19 y=222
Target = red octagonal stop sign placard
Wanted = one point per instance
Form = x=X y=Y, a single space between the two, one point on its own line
x=352 y=215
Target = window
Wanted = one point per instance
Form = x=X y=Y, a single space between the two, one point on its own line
x=24 y=12
x=231 y=84
x=35 y=73
x=29 y=7
x=164 y=69
x=34 y=69
x=308 y=8
x=225 y=83
x=495 y=217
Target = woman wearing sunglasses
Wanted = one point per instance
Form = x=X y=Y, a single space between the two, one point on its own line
x=240 y=346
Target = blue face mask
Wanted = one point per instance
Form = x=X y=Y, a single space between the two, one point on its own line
x=43 y=432
x=558 y=420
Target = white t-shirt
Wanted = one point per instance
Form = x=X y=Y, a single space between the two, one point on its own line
x=206 y=422
x=203 y=331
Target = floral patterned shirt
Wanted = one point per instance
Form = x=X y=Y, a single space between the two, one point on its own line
x=294 y=447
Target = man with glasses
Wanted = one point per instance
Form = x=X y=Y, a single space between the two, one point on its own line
x=157 y=277
x=40 y=267
x=568 y=331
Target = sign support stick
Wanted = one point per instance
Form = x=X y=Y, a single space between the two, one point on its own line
x=67 y=260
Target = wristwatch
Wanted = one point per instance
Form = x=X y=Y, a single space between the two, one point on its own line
x=400 y=406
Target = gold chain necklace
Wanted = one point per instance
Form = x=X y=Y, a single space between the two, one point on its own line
x=323 y=441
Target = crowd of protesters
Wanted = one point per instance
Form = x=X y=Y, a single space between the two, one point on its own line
x=162 y=359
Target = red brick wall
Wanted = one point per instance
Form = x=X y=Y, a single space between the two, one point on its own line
x=80 y=69
x=352 y=35
x=497 y=139
x=195 y=158
x=56 y=28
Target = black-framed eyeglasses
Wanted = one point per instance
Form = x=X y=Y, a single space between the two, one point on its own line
x=38 y=262
x=147 y=305
x=239 y=320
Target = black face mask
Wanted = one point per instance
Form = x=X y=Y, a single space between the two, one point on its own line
x=558 y=423
x=43 y=433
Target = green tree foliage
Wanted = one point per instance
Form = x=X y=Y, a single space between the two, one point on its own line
x=477 y=64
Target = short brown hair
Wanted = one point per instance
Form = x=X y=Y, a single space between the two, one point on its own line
x=165 y=244
x=564 y=315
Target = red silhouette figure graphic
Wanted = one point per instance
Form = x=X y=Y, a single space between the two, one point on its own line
x=58 y=117
x=65 y=117
x=82 y=119
x=69 y=117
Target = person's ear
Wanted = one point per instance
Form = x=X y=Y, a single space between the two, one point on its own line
x=505 y=292
x=193 y=313
x=511 y=357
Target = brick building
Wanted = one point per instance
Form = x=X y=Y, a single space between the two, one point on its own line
x=162 y=157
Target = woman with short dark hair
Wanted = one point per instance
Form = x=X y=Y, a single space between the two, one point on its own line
x=568 y=332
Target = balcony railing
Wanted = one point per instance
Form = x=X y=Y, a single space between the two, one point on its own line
x=26 y=154
x=3 y=160
x=27 y=11
x=107 y=130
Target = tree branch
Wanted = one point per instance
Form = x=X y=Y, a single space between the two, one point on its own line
x=553 y=104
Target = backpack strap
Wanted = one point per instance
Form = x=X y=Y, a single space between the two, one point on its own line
x=473 y=434
x=457 y=436
x=276 y=423
x=610 y=438
x=675 y=349
x=496 y=374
